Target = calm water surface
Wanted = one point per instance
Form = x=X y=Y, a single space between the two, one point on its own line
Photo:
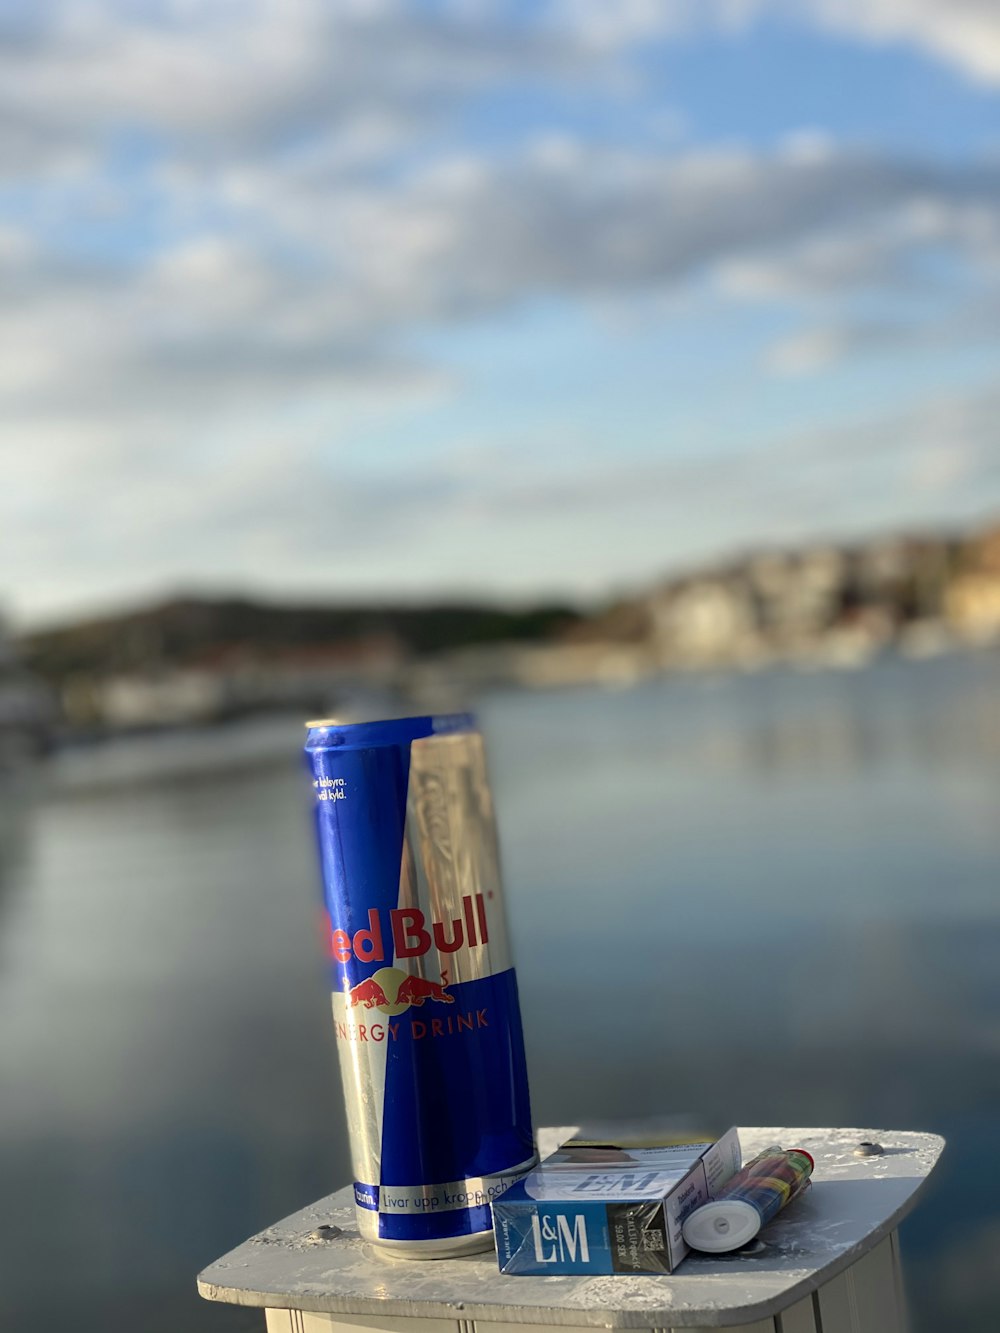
x=765 y=899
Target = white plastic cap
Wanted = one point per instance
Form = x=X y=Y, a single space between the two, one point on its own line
x=725 y=1224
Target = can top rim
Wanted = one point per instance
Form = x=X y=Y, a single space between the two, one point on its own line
x=387 y=731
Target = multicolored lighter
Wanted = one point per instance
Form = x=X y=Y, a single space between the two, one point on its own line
x=749 y=1200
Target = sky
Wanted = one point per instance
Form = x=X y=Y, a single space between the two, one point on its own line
x=348 y=299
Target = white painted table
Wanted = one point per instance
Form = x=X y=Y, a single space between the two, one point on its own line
x=828 y=1264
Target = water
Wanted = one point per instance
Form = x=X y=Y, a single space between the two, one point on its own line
x=765 y=899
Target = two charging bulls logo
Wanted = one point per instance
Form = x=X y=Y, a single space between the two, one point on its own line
x=392 y=991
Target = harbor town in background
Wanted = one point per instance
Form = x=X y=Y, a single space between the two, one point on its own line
x=199 y=660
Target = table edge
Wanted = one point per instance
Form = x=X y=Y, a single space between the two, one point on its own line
x=542 y=1316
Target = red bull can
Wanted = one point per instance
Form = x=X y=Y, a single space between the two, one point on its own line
x=425 y=1005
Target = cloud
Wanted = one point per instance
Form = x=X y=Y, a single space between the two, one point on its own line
x=490 y=515
x=188 y=391
x=807 y=352
x=863 y=255
x=319 y=280
x=228 y=228
x=588 y=219
x=879 y=249
x=283 y=238
x=803 y=477
x=251 y=74
x=812 y=350
x=962 y=33
x=350 y=82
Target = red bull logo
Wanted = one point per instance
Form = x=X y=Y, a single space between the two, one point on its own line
x=369 y=993
x=393 y=991
x=411 y=936
x=415 y=990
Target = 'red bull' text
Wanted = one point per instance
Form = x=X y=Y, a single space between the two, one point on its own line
x=410 y=934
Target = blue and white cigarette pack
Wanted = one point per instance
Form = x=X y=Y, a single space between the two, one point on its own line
x=608 y=1209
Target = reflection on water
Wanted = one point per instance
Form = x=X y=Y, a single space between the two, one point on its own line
x=762 y=899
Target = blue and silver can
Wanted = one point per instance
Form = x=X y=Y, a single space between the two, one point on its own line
x=425 y=1005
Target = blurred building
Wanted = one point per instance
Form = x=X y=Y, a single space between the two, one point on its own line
x=702 y=622
x=972 y=598
x=824 y=605
x=27 y=708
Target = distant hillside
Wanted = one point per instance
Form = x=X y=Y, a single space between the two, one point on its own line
x=200 y=660
x=188 y=632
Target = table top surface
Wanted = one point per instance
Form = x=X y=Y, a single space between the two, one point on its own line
x=853 y=1203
